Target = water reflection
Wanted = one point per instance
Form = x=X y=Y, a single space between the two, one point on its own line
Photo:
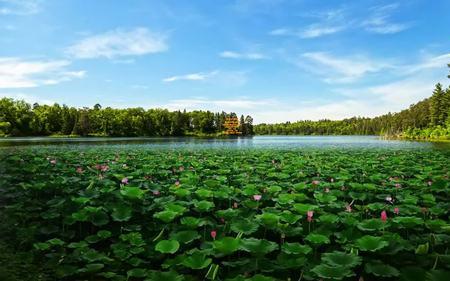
x=241 y=142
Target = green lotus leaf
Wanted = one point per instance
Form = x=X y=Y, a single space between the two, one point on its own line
x=92 y=267
x=288 y=261
x=92 y=239
x=328 y=218
x=104 y=234
x=81 y=244
x=258 y=247
x=341 y=259
x=226 y=245
x=245 y=226
x=300 y=186
x=260 y=277
x=204 y=206
x=228 y=213
x=371 y=243
x=422 y=249
x=99 y=218
x=185 y=236
x=132 y=192
x=325 y=197
x=165 y=275
x=181 y=192
x=295 y=248
x=204 y=193
x=304 y=208
x=268 y=219
x=438 y=275
x=408 y=222
x=176 y=208
x=197 y=260
x=371 y=225
x=55 y=242
x=332 y=272
x=274 y=189
x=137 y=272
x=41 y=246
x=167 y=246
x=166 y=216
x=286 y=198
x=412 y=273
x=317 y=238
x=121 y=213
x=192 y=222
x=381 y=270
x=134 y=238
x=289 y=217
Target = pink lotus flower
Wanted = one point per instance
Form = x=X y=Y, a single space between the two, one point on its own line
x=332 y=180
x=315 y=182
x=177 y=182
x=327 y=190
x=429 y=183
x=125 y=180
x=213 y=234
x=181 y=169
x=310 y=215
x=257 y=197
x=80 y=170
x=348 y=208
x=156 y=192
x=384 y=216
x=53 y=161
x=396 y=210
x=235 y=205
x=389 y=199
x=397 y=185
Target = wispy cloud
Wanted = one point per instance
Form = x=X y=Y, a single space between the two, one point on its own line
x=339 y=70
x=326 y=23
x=20 y=7
x=31 y=99
x=19 y=73
x=118 y=43
x=380 y=20
x=246 y=56
x=217 y=104
x=199 y=76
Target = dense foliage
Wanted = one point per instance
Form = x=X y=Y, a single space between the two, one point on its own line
x=137 y=214
x=18 y=118
x=429 y=118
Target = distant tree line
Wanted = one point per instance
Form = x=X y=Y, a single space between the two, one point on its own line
x=427 y=119
x=18 y=118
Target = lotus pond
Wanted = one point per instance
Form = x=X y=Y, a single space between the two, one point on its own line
x=135 y=213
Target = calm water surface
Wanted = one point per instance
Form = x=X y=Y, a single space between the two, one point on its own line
x=284 y=142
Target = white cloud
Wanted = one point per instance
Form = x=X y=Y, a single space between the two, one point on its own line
x=20 y=7
x=216 y=104
x=379 y=20
x=31 y=99
x=316 y=30
x=117 y=43
x=327 y=22
x=19 y=73
x=247 y=56
x=339 y=70
x=199 y=76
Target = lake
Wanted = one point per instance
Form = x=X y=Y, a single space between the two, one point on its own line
x=284 y=142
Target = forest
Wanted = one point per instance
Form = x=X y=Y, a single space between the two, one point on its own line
x=18 y=118
x=427 y=119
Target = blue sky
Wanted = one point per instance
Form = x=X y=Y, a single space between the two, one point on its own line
x=276 y=60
